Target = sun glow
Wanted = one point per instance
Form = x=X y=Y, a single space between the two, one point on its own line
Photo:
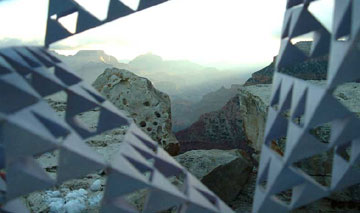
x=205 y=31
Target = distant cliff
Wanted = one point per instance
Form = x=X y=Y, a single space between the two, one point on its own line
x=89 y=64
x=314 y=69
x=185 y=113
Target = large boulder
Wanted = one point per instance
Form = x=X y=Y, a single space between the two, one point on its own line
x=238 y=124
x=223 y=172
x=149 y=107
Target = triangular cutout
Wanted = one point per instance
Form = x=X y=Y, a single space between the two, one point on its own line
x=69 y=22
x=45 y=60
x=289 y=55
x=276 y=132
x=284 y=196
x=110 y=120
x=343 y=63
x=342 y=20
x=56 y=129
x=46 y=84
x=98 y=8
x=318 y=110
x=306 y=193
x=87 y=161
x=12 y=100
x=122 y=171
x=166 y=164
x=321 y=44
x=26 y=169
x=78 y=102
x=322 y=132
x=286 y=99
x=292 y=3
x=276 y=96
x=60 y=7
x=5 y=67
x=349 y=178
x=17 y=62
x=28 y=57
x=287 y=22
x=55 y=32
x=298 y=107
x=287 y=178
x=94 y=93
x=299 y=140
x=318 y=167
x=132 y=4
x=117 y=9
x=323 y=12
x=262 y=179
x=66 y=76
x=158 y=201
x=303 y=22
x=86 y=21
x=32 y=144
x=199 y=202
x=160 y=182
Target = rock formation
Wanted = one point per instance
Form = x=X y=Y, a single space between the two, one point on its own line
x=89 y=64
x=185 y=112
x=239 y=124
x=253 y=102
x=314 y=69
x=224 y=172
x=149 y=107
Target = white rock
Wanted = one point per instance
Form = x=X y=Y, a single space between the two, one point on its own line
x=96 y=186
x=149 y=107
x=75 y=206
x=95 y=200
x=56 y=205
x=53 y=193
x=76 y=194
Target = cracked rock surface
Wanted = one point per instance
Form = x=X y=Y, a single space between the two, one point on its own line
x=149 y=107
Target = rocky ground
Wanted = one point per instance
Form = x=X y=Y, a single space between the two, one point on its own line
x=250 y=106
x=231 y=174
x=225 y=172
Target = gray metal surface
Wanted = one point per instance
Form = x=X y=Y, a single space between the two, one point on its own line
x=293 y=98
x=29 y=127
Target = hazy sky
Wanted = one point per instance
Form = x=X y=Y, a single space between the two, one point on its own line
x=228 y=32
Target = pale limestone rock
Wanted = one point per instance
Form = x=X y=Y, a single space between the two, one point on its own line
x=149 y=107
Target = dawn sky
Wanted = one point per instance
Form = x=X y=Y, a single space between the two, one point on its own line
x=214 y=32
